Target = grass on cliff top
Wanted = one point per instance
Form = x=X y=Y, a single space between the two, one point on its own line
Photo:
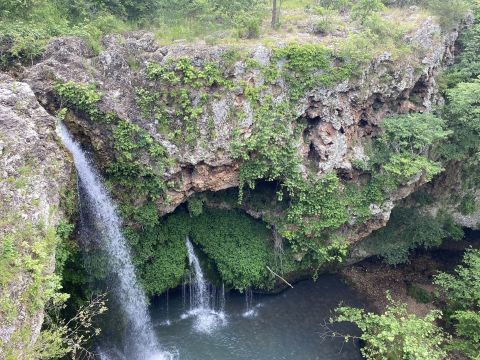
x=27 y=26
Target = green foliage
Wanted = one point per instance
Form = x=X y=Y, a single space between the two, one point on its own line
x=403 y=150
x=419 y=294
x=413 y=133
x=130 y=168
x=237 y=244
x=176 y=96
x=463 y=105
x=8 y=260
x=463 y=113
x=195 y=206
x=315 y=205
x=24 y=33
x=81 y=97
x=400 y=154
x=341 y=5
x=462 y=292
x=450 y=13
x=462 y=288
x=248 y=26
x=130 y=143
x=405 y=166
x=406 y=230
x=396 y=334
x=61 y=339
x=310 y=65
x=27 y=253
x=325 y=24
x=467 y=329
x=467 y=66
x=365 y=8
x=468 y=204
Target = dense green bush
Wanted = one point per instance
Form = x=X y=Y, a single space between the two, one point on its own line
x=248 y=26
x=462 y=112
x=403 y=151
x=462 y=292
x=396 y=334
x=365 y=8
x=239 y=247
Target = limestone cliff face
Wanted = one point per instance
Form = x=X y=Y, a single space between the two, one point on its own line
x=456 y=192
x=340 y=119
x=34 y=170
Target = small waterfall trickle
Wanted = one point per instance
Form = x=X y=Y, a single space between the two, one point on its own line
x=143 y=343
x=250 y=309
x=202 y=297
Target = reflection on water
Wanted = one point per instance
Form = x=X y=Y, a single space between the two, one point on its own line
x=287 y=326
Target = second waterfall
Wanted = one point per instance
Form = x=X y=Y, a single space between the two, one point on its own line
x=203 y=296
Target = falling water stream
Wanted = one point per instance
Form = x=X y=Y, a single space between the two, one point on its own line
x=202 y=297
x=143 y=344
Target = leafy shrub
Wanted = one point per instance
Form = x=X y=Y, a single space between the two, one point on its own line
x=60 y=338
x=396 y=334
x=462 y=292
x=81 y=97
x=419 y=294
x=462 y=112
x=468 y=205
x=237 y=244
x=325 y=24
x=467 y=66
x=195 y=205
x=403 y=150
x=450 y=13
x=364 y=8
x=248 y=26
x=462 y=288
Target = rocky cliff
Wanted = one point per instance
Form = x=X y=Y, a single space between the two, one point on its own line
x=35 y=172
x=337 y=120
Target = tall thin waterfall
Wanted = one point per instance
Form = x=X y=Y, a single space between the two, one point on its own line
x=200 y=295
x=249 y=308
x=128 y=292
x=202 y=303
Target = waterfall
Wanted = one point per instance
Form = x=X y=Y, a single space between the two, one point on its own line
x=128 y=292
x=250 y=310
x=200 y=293
x=201 y=306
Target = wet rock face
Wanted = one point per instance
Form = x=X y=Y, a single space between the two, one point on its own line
x=339 y=119
x=34 y=170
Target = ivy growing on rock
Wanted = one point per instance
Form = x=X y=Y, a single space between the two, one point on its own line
x=176 y=95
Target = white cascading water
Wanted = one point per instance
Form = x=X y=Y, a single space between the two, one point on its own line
x=129 y=293
x=206 y=318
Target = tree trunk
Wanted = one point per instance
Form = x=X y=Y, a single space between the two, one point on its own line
x=274 y=14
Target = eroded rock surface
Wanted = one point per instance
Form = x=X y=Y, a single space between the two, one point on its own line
x=340 y=119
x=34 y=171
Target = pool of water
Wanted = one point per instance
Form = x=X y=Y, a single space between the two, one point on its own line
x=285 y=326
